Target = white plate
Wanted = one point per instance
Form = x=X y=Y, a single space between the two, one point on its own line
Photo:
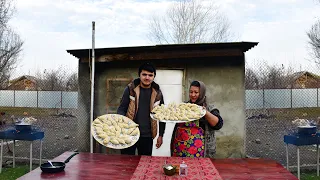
x=134 y=139
x=180 y=121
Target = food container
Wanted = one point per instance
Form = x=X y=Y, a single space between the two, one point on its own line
x=169 y=170
x=307 y=130
x=23 y=127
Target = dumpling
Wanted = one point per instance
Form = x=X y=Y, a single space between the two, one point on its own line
x=125 y=125
x=98 y=125
x=117 y=128
x=124 y=131
x=132 y=125
x=114 y=141
x=135 y=132
x=120 y=125
x=108 y=123
x=100 y=132
x=105 y=129
x=112 y=129
x=98 y=128
x=103 y=135
x=111 y=133
x=121 y=141
x=127 y=140
x=125 y=120
x=114 y=123
x=97 y=121
x=118 y=133
x=106 y=140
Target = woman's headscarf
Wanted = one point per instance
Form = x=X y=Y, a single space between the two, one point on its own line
x=201 y=101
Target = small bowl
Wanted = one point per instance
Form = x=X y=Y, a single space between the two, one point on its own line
x=169 y=170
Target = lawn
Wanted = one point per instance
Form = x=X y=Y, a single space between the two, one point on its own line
x=14 y=173
x=309 y=176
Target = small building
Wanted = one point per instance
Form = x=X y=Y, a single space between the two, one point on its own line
x=303 y=79
x=220 y=66
x=27 y=83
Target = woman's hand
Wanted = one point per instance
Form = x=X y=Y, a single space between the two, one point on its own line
x=212 y=119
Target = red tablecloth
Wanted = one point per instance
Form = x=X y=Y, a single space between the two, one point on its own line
x=198 y=168
x=94 y=166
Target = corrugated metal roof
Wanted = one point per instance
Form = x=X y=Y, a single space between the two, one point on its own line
x=243 y=46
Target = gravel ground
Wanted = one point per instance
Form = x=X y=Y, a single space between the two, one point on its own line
x=60 y=136
x=265 y=139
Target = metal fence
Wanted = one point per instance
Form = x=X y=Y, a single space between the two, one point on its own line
x=255 y=99
x=264 y=134
x=282 y=98
x=38 y=99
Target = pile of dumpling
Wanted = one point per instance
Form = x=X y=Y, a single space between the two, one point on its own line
x=178 y=112
x=115 y=131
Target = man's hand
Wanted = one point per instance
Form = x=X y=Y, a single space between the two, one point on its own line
x=159 y=142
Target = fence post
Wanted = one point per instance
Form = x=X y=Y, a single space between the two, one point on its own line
x=291 y=98
x=263 y=98
x=61 y=99
x=37 y=99
x=14 y=98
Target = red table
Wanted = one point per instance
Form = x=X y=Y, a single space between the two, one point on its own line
x=102 y=166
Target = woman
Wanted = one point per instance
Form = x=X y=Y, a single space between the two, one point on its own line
x=196 y=138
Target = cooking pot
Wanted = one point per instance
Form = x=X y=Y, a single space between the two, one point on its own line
x=307 y=130
x=55 y=167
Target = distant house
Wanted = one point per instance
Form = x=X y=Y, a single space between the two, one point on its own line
x=304 y=79
x=27 y=83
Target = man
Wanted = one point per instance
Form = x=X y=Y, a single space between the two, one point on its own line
x=138 y=100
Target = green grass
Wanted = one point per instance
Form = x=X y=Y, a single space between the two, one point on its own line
x=309 y=176
x=14 y=173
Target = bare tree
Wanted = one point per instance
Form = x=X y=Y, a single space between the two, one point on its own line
x=10 y=43
x=251 y=79
x=314 y=41
x=274 y=77
x=72 y=82
x=57 y=80
x=190 y=21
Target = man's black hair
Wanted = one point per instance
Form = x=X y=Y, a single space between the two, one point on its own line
x=147 y=67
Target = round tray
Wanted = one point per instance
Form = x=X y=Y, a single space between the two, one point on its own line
x=179 y=121
x=133 y=139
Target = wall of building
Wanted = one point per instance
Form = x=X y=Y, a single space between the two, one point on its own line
x=225 y=90
x=224 y=78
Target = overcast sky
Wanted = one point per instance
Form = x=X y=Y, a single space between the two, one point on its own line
x=50 y=27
